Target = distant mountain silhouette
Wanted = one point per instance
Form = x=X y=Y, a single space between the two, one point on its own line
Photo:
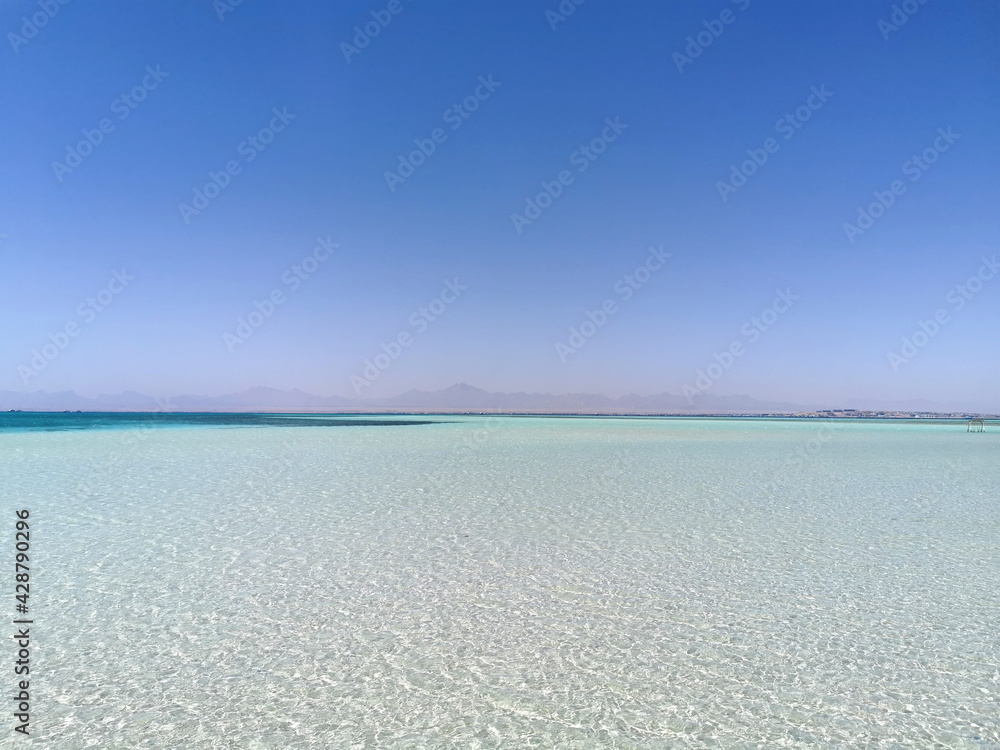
x=467 y=397
x=460 y=397
x=457 y=398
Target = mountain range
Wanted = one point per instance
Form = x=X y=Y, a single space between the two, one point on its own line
x=458 y=398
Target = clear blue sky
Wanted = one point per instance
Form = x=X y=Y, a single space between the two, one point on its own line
x=552 y=91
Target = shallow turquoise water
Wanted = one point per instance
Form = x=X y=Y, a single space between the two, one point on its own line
x=500 y=582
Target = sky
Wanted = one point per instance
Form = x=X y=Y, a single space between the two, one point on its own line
x=358 y=198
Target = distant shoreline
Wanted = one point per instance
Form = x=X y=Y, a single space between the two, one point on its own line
x=463 y=398
x=845 y=415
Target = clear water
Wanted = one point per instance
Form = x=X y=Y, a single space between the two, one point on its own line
x=509 y=583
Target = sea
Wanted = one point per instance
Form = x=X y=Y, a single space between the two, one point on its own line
x=438 y=581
